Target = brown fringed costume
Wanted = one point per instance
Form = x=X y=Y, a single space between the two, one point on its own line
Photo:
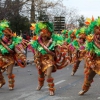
x=51 y=60
x=79 y=54
x=93 y=57
x=10 y=51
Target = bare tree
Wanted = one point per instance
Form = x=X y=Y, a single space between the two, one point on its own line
x=9 y=8
x=34 y=7
x=70 y=14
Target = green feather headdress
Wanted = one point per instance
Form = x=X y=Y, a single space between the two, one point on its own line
x=43 y=25
x=3 y=24
x=93 y=25
x=90 y=46
x=64 y=31
x=69 y=33
x=68 y=40
x=81 y=31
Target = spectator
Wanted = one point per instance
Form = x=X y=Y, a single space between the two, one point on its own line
x=28 y=37
x=25 y=35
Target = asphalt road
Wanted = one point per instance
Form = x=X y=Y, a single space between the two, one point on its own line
x=67 y=86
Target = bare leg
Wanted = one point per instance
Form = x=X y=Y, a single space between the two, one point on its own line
x=87 y=81
x=10 y=69
x=75 y=67
x=40 y=80
x=49 y=71
x=11 y=77
x=50 y=81
x=2 y=81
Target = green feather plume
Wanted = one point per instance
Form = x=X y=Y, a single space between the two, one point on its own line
x=43 y=25
x=89 y=46
x=75 y=44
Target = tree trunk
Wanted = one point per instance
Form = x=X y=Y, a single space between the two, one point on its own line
x=33 y=11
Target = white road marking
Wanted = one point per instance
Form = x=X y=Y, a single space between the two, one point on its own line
x=16 y=67
x=35 y=95
x=58 y=82
x=98 y=98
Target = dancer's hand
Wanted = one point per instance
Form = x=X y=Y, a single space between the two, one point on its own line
x=39 y=67
x=50 y=41
x=92 y=66
x=11 y=51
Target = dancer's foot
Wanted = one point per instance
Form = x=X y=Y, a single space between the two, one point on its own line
x=39 y=88
x=1 y=84
x=72 y=74
x=51 y=93
x=82 y=92
x=11 y=88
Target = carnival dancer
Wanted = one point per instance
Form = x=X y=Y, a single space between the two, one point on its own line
x=46 y=53
x=11 y=50
x=78 y=45
x=65 y=33
x=93 y=57
x=78 y=48
x=71 y=38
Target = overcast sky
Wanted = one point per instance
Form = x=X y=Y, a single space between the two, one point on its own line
x=85 y=7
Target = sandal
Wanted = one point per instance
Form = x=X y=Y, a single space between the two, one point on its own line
x=82 y=92
x=11 y=88
x=39 y=88
x=51 y=93
x=72 y=74
x=1 y=84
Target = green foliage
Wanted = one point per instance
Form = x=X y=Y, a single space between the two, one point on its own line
x=19 y=23
x=81 y=21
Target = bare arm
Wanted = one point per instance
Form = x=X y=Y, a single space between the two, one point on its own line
x=48 y=44
x=11 y=51
x=45 y=47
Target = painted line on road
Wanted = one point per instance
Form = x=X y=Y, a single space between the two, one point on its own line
x=58 y=82
x=15 y=67
x=65 y=88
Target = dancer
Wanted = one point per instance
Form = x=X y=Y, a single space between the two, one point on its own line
x=46 y=53
x=78 y=48
x=70 y=39
x=65 y=33
x=93 y=57
x=79 y=45
x=11 y=50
